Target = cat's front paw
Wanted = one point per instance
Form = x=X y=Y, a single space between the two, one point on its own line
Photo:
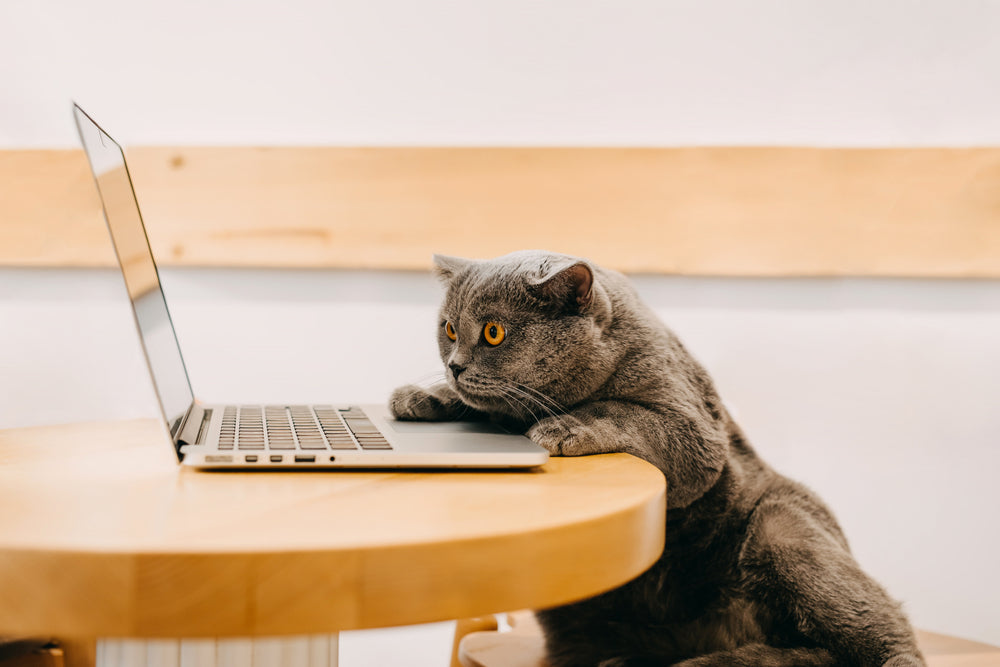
x=413 y=403
x=562 y=436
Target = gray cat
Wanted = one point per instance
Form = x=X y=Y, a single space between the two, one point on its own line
x=755 y=571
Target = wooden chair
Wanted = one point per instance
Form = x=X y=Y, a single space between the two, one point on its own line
x=478 y=644
x=47 y=653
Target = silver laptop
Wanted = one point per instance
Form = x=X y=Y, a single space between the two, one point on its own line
x=259 y=437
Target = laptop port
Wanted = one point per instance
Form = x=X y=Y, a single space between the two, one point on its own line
x=332 y=459
x=305 y=458
x=250 y=458
x=276 y=458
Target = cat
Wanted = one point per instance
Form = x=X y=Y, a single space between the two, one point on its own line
x=755 y=571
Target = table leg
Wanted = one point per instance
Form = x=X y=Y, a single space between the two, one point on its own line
x=301 y=651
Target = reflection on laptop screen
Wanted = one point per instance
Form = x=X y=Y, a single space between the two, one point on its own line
x=121 y=211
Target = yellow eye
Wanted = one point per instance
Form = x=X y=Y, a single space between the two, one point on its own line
x=450 y=331
x=494 y=333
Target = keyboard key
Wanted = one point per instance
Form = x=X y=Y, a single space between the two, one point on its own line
x=312 y=444
x=361 y=425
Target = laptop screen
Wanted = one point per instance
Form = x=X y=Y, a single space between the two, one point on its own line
x=121 y=211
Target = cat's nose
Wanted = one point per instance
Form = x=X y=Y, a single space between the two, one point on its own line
x=456 y=369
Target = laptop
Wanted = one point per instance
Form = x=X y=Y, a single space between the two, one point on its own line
x=262 y=437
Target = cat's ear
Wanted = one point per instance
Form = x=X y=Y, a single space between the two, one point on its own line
x=447 y=267
x=571 y=287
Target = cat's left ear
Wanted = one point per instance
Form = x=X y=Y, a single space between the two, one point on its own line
x=572 y=286
x=447 y=267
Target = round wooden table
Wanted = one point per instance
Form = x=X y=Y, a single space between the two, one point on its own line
x=103 y=535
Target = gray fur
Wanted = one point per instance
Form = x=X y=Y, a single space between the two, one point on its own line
x=755 y=571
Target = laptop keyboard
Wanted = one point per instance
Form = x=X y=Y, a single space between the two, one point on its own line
x=298 y=427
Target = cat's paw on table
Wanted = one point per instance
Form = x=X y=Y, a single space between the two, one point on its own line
x=562 y=436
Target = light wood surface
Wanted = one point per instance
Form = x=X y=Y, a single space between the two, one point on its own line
x=139 y=548
x=700 y=211
x=466 y=626
x=947 y=651
x=524 y=646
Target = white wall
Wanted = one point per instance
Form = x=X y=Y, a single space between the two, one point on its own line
x=880 y=394
x=514 y=72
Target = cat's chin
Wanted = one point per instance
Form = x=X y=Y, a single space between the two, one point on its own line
x=484 y=401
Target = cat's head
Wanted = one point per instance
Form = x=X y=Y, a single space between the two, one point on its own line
x=523 y=335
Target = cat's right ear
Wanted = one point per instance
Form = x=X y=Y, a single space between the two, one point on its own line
x=447 y=267
x=571 y=287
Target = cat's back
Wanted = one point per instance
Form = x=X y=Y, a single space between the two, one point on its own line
x=656 y=369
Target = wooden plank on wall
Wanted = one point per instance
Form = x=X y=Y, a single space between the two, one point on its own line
x=697 y=211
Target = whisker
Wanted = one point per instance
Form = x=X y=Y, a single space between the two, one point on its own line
x=546 y=405
x=430 y=379
x=517 y=395
x=507 y=393
x=529 y=401
x=548 y=400
x=508 y=402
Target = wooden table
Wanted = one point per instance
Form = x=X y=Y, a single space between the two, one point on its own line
x=131 y=546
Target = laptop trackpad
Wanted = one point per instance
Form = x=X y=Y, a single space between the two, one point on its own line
x=434 y=428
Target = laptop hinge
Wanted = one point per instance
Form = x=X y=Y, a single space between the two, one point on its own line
x=193 y=425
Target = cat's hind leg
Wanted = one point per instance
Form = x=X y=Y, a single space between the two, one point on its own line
x=797 y=564
x=759 y=655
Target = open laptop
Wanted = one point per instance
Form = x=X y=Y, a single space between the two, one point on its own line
x=260 y=437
